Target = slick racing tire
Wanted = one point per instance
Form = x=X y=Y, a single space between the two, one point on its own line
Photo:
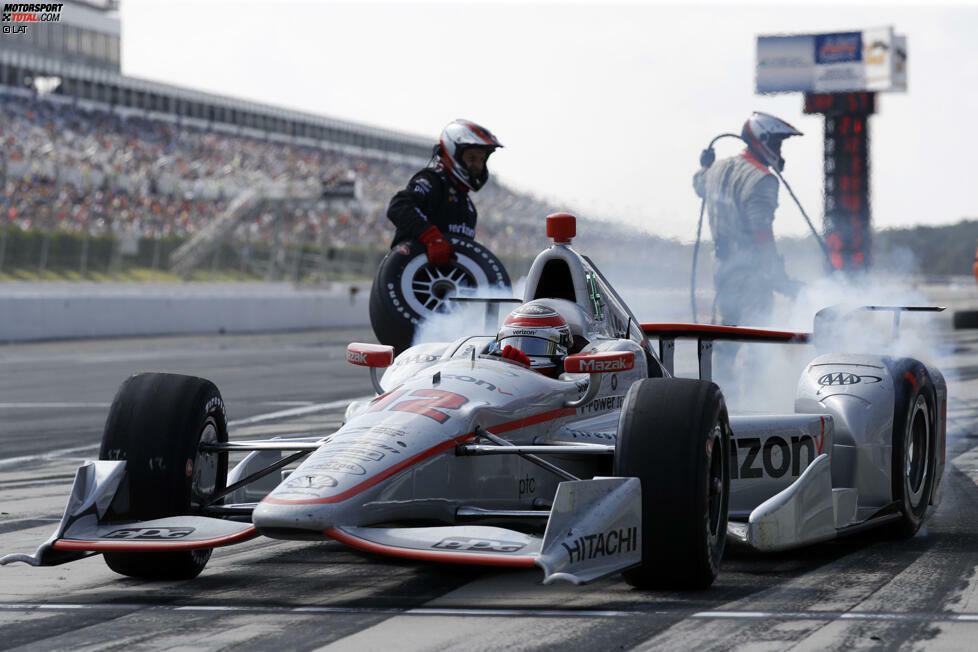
x=965 y=319
x=409 y=289
x=915 y=443
x=157 y=423
x=673 y=435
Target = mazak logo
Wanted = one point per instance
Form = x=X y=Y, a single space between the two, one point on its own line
x=25 y=14
x=845 y=378
x=594 y=366
x=356 y=357
x=150 y=533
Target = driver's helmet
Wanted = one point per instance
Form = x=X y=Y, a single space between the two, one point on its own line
x=458 y=136
x=539 y=331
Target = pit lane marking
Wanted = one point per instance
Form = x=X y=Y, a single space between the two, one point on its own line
x=258 y=418
x=296 y=412
x=967 y=463
x=51 y=406
x=509 y=613
x=14 y=461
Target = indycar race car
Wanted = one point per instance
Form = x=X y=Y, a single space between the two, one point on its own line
x=614 y=465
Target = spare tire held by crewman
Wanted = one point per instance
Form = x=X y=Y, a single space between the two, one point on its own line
x=408 y=288
x=433 y=253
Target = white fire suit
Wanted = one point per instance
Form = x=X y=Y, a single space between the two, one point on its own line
x=741 y=195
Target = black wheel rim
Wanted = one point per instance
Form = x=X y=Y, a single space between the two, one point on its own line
x=715 y=479
x=433 y=285
x=206 y=468
x=917 y=452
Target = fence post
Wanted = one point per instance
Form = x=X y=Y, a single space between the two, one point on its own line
x=156 y=255
x=83 y=264
x=43 y=262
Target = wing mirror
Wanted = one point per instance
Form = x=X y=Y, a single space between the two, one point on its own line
x=596 y=363
x=375 y=356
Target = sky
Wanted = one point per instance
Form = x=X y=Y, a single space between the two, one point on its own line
x=603 y=108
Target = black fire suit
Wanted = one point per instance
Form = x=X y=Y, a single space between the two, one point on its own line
x=432 y=198
x=741 y=195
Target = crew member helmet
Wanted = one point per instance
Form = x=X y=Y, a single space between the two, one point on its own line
x=458 y=136
x=539 y=331
x=764 y=133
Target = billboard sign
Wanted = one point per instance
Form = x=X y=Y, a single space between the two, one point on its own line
x=868 y=60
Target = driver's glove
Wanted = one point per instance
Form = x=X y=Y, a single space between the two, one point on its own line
x=514 y=354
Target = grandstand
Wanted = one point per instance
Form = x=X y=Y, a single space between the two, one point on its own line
x=90 y=151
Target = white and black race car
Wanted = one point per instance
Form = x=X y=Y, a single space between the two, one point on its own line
x=613 y=466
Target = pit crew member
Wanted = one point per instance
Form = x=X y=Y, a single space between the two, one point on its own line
x=436 y=202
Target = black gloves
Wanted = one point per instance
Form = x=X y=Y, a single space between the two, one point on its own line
x=707 y=156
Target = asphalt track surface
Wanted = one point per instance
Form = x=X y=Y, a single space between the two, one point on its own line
x=862 y=592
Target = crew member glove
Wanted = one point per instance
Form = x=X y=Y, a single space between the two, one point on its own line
x=707 y=156
x=514 y=354
x=439 y=251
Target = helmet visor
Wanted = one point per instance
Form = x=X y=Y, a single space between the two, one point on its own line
x=531 y=345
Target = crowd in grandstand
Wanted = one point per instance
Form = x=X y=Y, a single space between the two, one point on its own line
x=65 y=167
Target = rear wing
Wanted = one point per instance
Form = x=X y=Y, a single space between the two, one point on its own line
x=826 y=321
x=706 y=334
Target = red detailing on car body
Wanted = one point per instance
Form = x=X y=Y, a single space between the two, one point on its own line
x=913 y=381
x=369 y=355
x=593 y=363
x=423 y=455
x=430 y=555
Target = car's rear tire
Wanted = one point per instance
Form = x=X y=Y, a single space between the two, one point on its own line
x=156 y=424
x=673 y=435
x=409 y=289
x=914 y=443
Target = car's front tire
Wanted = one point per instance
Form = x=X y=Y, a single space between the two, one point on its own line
x=156 y=424
x=673 y=435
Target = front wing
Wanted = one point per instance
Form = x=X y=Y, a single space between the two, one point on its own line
x=594 y=529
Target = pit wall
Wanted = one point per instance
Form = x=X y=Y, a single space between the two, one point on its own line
x=45 y=311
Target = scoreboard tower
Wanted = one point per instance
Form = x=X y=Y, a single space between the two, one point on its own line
x=848 y=233
x=840 y=75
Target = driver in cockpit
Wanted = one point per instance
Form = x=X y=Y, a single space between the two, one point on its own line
x=536 y=336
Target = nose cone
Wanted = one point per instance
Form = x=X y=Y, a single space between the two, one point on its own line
x=292 y=521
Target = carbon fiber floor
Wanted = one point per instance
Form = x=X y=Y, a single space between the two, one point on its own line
x=860 y=592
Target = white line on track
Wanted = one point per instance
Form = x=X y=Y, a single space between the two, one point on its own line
x=51 y=406
x=296 y=412
x=508 y=613
x=258 y=418
x=14 y=461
